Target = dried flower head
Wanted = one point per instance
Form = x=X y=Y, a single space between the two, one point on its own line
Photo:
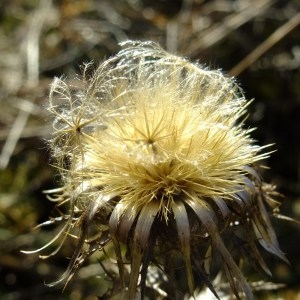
x=155 y=160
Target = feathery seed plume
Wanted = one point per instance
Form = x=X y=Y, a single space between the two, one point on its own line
x=156 y=161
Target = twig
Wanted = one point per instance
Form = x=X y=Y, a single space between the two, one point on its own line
x=274 y=38
x=220 y=30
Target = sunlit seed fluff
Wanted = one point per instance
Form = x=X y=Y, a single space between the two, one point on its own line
x=153 y=150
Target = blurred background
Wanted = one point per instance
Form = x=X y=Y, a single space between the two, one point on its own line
x=258 y=41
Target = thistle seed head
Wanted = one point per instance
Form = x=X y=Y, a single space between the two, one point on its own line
x=152 y=149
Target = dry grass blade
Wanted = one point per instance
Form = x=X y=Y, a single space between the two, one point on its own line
x=33 y=38
x=13 y=138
